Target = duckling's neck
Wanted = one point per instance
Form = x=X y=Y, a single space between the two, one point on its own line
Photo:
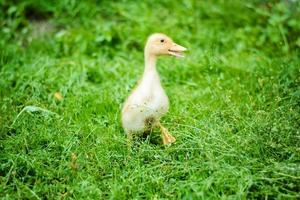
x=150 y=76
x=150 y=63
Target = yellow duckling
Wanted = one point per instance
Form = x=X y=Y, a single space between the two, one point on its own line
x=148 y=102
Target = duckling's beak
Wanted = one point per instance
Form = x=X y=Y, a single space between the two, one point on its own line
x=176 y=50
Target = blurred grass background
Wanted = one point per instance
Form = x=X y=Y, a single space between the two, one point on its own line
x=234 y=100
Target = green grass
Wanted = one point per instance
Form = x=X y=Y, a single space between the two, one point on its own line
x=234 y=100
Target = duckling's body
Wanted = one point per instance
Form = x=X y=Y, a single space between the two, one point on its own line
x=148 y=102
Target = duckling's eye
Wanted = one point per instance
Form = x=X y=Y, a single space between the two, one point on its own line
x=162 y=40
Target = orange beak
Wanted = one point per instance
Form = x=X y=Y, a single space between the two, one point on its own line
x=177 y=50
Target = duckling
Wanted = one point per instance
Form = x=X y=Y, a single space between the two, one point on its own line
x=148 y=102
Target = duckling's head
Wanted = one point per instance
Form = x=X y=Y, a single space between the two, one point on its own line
x=159 y=44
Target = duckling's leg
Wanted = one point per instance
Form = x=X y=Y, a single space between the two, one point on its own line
x=166 y=136
x=129 y=140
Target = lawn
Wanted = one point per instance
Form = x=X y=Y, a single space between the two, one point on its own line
x=67 y=67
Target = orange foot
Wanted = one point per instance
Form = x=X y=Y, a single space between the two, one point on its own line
x=166 y=136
